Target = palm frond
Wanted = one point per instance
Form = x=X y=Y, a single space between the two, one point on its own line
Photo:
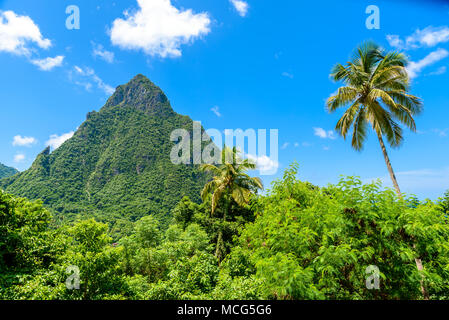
x=384 y=124
x=359 y=131
x=346 y=121
x=411 y=102
x=228 y=177
x=241 y=195
x=208 y=189
x=209 y=167
x=344 y=96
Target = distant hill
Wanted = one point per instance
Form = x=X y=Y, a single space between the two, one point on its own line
x=6 y=171
x=117 y=165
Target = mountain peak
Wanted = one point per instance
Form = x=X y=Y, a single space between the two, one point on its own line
x=141 y=77
x=142 y=94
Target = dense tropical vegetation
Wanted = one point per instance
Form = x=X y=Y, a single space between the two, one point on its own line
x=108 y=216
x=298 y=241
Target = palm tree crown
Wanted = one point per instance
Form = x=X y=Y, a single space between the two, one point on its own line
x=230 y=179
x=376 y=91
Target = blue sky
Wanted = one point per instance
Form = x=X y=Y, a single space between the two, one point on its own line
x=229 y=64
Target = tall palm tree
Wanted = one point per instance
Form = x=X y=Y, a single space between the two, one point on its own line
x=230 y=183
x=376 y=94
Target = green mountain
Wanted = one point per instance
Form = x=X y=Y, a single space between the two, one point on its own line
x=6 y=171
x=117 y=165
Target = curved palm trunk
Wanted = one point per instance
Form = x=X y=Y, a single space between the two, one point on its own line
x=418 y=261
x=390 y=168
x=420 y=267
x=220 y=243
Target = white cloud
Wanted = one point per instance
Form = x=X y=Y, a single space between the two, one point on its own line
x=85 y=77
x=18 y=34
x=427 y=37
x=19 y=141
x=158 y=28
x=285 y=145
x=216 y=110
x=306 y=144
x=240 y=6
x=442 y=133
x=277 y=55
x=323 y=134
x=265 y=165
x=287 y=75
x=49 y=63
x=439 y=71
x=81 y=71
x=56 y=141
x=395 y=41
x=99 y=51
x=414 y=68
x=19 y=158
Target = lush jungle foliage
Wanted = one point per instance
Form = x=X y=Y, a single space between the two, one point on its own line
x=6 y=171
x=296 y=242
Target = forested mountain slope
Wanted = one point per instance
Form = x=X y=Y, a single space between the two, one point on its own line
x=6 y=171
x=117 y=165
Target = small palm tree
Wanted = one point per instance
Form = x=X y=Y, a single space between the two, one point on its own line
x=230 y=183
x=376 y=94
